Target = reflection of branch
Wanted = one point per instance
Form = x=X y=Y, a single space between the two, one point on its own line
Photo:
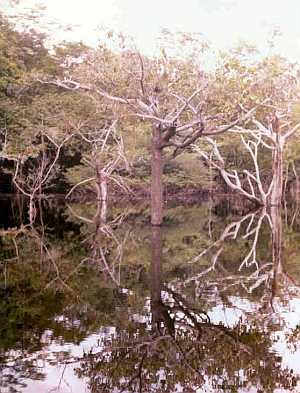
x=253 y=223
x=104 y=231
x=138 y=375
x=201 y=320
x=44 y=249
x=45 y=253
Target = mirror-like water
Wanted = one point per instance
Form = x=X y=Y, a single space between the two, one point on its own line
x=92 y=303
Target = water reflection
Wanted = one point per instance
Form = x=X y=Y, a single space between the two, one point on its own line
x=105 y=249
x=210 y=302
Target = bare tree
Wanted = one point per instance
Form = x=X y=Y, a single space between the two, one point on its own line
x=33 y=183
x=105 y=156
x=177 y=109
x=258 y=136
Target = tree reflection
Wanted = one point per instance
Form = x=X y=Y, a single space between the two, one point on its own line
x=105 y=248
x=46 y=297
x=182 y=344
x=213 y=327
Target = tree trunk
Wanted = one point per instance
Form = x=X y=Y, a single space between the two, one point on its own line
x=156 y=276
x=101 y=211
x=101 y=187
x=161 y=319
x=277 y=172
x=157 y=164
x=275 y=214
x=101 y=183
x=32 y=210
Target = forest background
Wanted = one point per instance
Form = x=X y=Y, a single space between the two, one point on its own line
x=109 y=120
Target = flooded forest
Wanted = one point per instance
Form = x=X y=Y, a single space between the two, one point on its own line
x=150 y=216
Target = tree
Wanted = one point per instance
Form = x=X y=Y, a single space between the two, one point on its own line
x=273 y=82
x=22 y=142
x=40 y=175
x=262 y=139
x=172 y=95
x=104 y=156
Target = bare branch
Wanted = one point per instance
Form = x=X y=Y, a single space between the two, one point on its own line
x=292 y=131
x=231 y=179
x=79 y=184
x=142 y=74
x=186 y=104
x=72 y=85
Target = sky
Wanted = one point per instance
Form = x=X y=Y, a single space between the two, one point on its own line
x=222 y=22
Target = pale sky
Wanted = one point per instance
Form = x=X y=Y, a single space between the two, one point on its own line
x=222 y=22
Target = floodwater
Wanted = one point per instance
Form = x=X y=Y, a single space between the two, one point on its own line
x=93 y=302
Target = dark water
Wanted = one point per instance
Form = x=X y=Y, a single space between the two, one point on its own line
x=208 y=303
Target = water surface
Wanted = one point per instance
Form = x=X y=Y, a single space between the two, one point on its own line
x=210 y=302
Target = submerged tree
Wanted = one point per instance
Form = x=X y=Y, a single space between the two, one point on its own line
x=264 y=138
x=104 y=156
x=256 y=140
x=37 y=176
x=174 y=96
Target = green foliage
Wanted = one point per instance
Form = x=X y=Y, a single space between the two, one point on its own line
x=242 y=78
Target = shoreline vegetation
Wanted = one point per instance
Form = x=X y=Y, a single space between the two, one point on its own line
x=104 y=123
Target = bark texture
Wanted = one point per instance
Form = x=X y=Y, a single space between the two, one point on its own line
x=277 y=171
x=157 y=165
